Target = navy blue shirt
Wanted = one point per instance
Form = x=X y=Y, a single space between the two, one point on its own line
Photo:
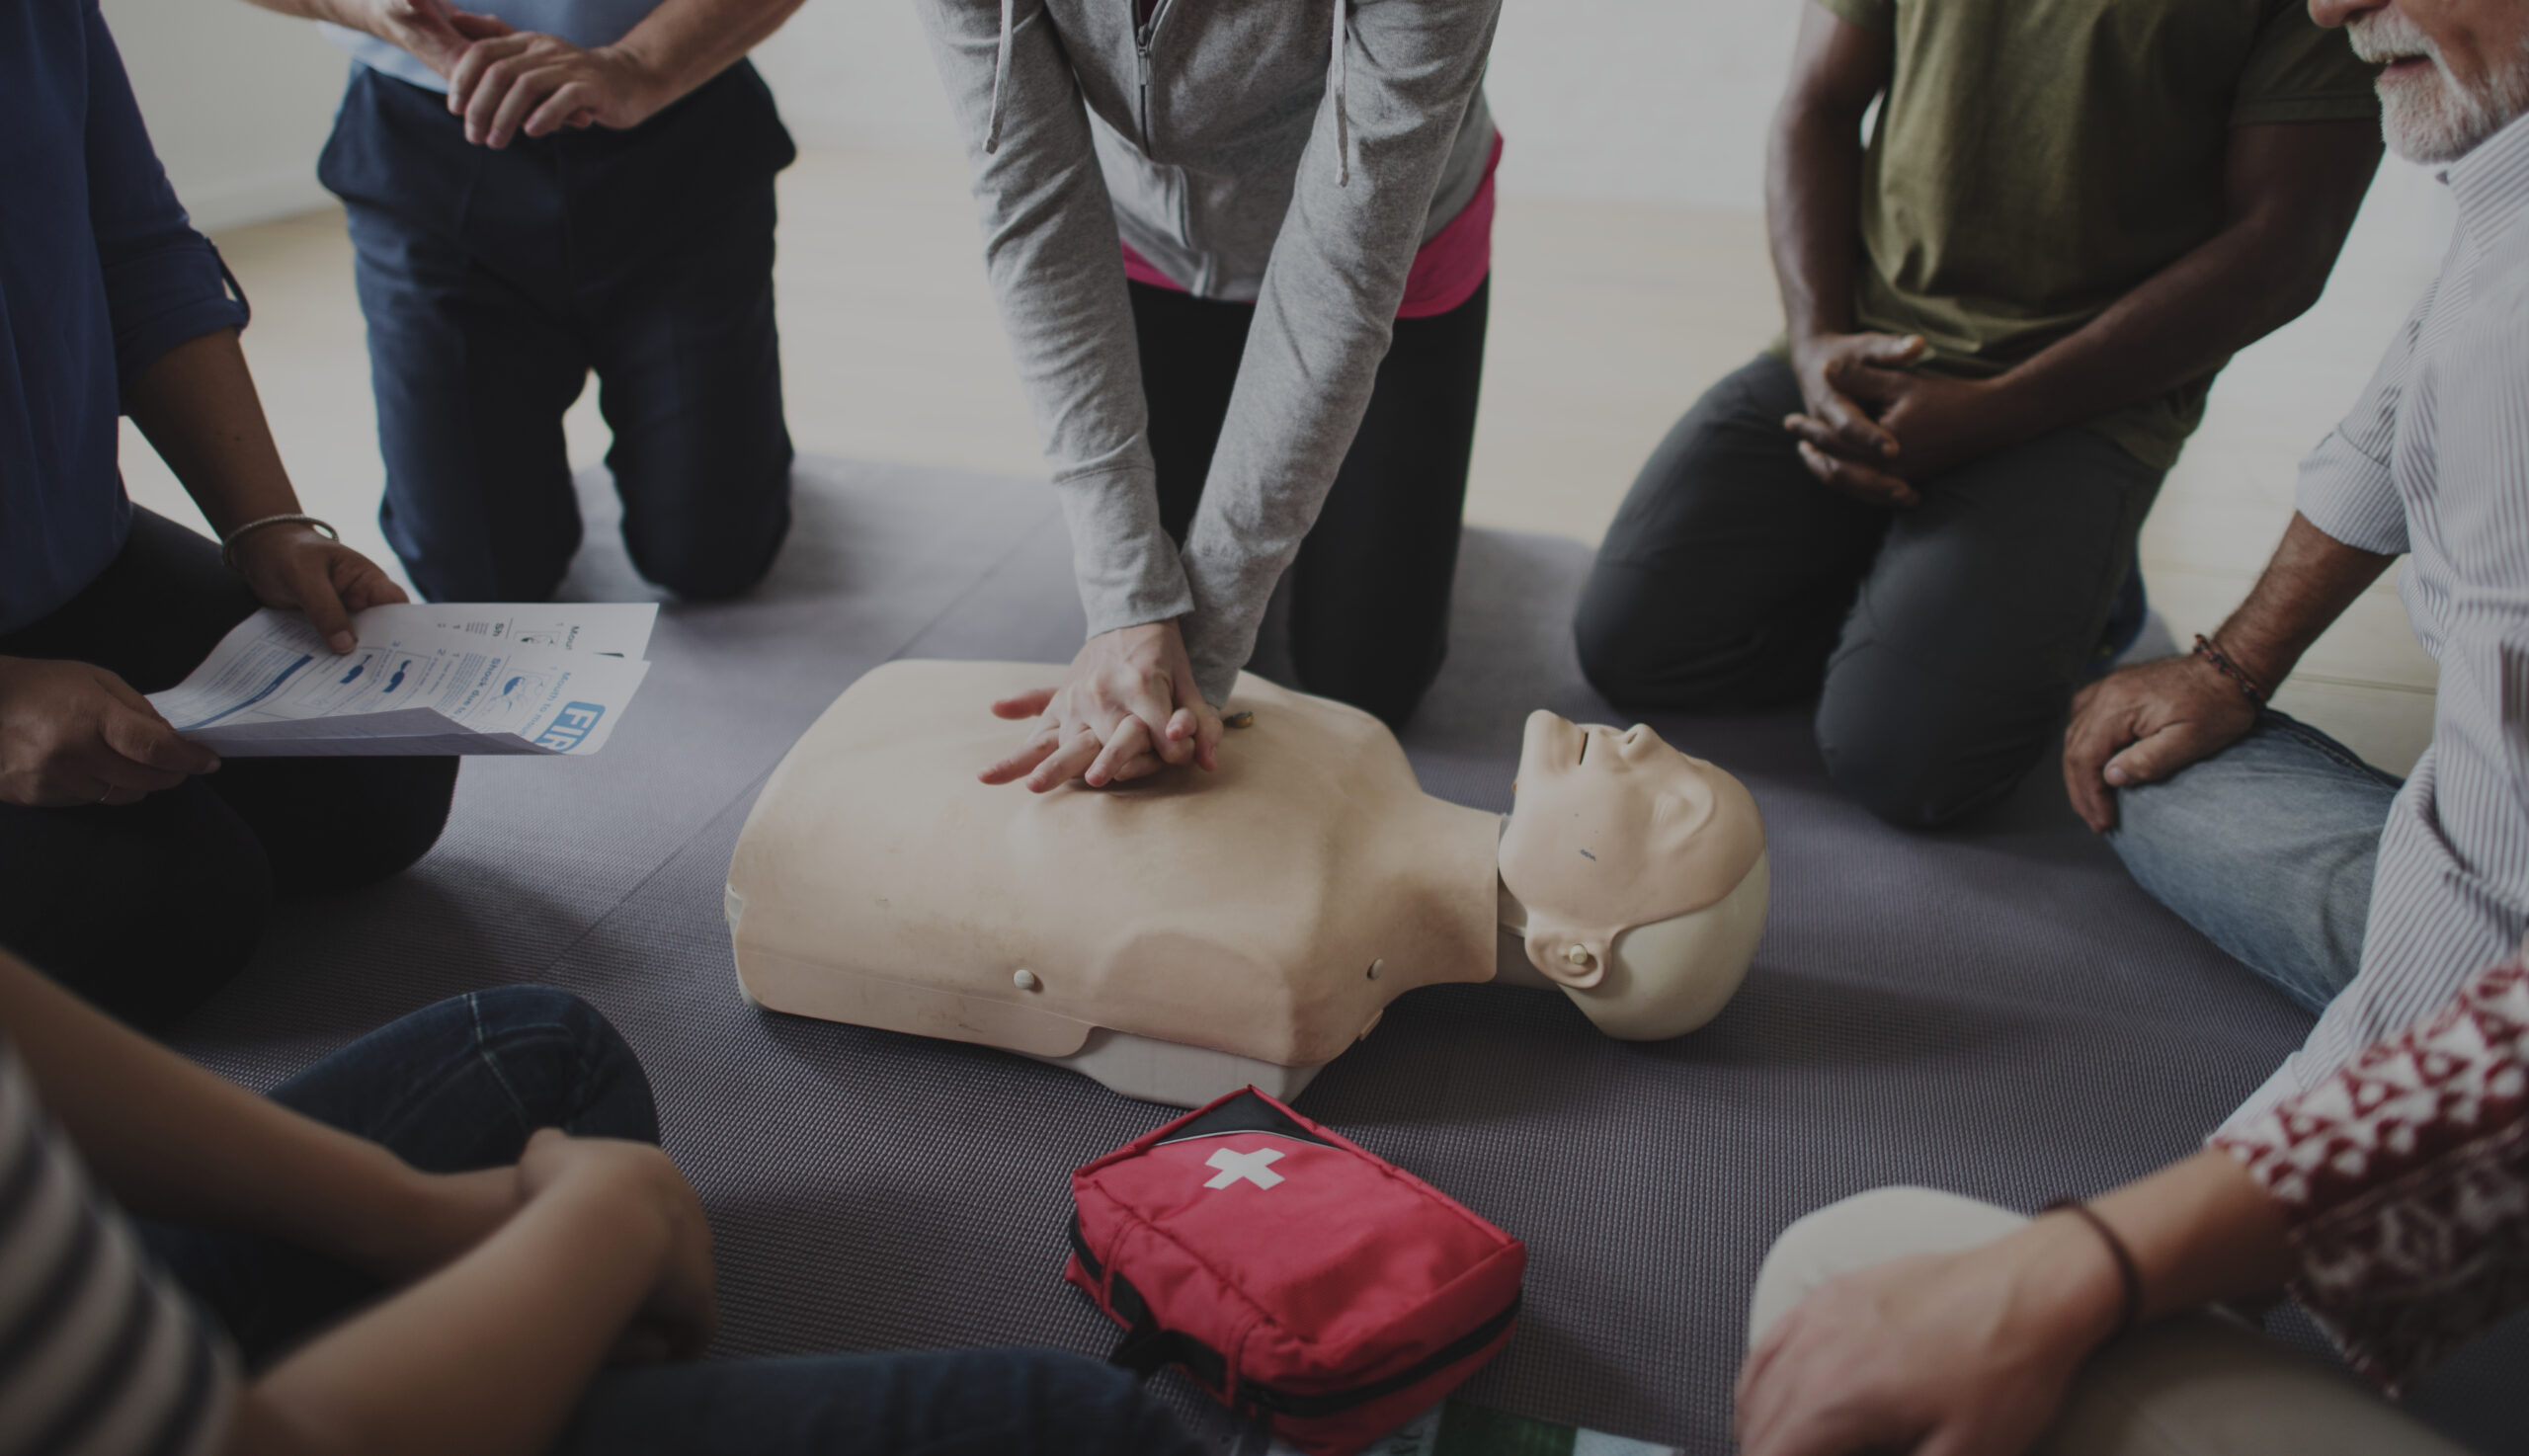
x=100 y=274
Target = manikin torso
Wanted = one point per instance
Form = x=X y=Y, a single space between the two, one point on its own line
x=1192 y=932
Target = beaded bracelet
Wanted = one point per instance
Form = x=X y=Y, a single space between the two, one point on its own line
x=2127 y=1275
x=2205 y=649
x=228 y=543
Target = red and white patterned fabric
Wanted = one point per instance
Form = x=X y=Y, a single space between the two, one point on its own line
x=2404 y=1179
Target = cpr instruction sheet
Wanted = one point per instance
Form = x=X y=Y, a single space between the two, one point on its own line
x=426 y=679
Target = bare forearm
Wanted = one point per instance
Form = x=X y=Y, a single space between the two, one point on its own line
x=1812 y=169
x=489 y=1355
x=2293 y=192
x=2308 y=584
x=685 y=43
x=170 y=1140
x=2201 y=1231
x=1813 y=182
x=2178 y=325
x=198 y=406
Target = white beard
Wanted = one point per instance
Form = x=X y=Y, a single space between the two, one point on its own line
x=2428 y=117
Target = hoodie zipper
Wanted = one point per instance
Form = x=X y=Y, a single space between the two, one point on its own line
x=1143 y=34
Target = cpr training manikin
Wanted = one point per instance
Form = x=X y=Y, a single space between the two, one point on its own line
x=1182 y=935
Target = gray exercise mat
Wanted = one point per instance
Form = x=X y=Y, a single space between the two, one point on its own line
x=1997 y=1012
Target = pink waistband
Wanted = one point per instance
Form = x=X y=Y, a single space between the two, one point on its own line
x=1446 y=271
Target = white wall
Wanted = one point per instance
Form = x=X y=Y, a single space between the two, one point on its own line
x=1645 y=101
x=1656 y=102
x=238 y=102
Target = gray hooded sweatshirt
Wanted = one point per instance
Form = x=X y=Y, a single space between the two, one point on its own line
x=1291 y=153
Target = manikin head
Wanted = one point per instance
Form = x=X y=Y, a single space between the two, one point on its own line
x=1613 y=832
x=2454 y=73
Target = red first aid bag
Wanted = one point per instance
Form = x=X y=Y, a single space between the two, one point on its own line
x=1296 y=1277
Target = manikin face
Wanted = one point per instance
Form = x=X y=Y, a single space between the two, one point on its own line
x=2453 y=73
x=1613 y=829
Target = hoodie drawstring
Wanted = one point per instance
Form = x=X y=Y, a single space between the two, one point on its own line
x=1343 y=127
x=1001 y=70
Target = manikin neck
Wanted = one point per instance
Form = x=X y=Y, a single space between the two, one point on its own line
x=1456 y=860
x=1511 y=963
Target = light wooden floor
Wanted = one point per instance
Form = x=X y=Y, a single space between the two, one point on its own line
x=1607 y=319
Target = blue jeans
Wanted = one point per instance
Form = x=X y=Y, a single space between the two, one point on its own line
x=459 y=1085
x=494 y=281
x=2268 y=848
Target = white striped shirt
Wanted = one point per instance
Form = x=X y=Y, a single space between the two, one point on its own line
x=2433 y=463
x=98 y=1356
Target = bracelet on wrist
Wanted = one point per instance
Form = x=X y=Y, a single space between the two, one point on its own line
x=2128 y=1274
x=228 y=543
x=2222 y=663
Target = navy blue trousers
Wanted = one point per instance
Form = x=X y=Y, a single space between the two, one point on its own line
x=494 y=282
x=460 y=1086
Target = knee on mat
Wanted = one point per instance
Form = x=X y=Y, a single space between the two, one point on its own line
x=380 y=817
x=160 y=962
x=722 y=558
x=697 y=576
x=1636 y=664
x=1611 y=644
x=413 y=814
x=564 y=1063
x=153 y=917
x=1914 y=760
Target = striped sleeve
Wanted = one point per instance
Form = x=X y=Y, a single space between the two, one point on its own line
x=98 y=1357
x=2347 y=488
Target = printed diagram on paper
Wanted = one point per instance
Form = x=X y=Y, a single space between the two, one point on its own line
x=442 y=677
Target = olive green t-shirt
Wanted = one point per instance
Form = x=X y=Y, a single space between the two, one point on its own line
x=2034 y=160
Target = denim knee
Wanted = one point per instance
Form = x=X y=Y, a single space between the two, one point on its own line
x=2267 y=848
x=563 y=1064
x=701 y=572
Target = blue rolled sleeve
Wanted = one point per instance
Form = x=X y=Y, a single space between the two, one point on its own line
x=101 y=274
x=165 y=284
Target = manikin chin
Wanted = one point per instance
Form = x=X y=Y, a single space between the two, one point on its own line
x=1191 y=934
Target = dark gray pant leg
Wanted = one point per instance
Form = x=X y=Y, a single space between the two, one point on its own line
x=1727 y=575
x=1978 y=621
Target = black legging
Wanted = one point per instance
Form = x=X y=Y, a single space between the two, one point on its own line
x=1371 y=590
x=145 y=909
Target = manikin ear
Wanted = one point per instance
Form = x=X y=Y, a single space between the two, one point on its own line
x=1568 y=956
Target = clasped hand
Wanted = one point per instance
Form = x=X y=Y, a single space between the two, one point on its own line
x=1875 y=429
x=72 y=733
x=1128 y=709
x=507 y=82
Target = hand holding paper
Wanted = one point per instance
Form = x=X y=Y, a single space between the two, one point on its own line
x=426 y=679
